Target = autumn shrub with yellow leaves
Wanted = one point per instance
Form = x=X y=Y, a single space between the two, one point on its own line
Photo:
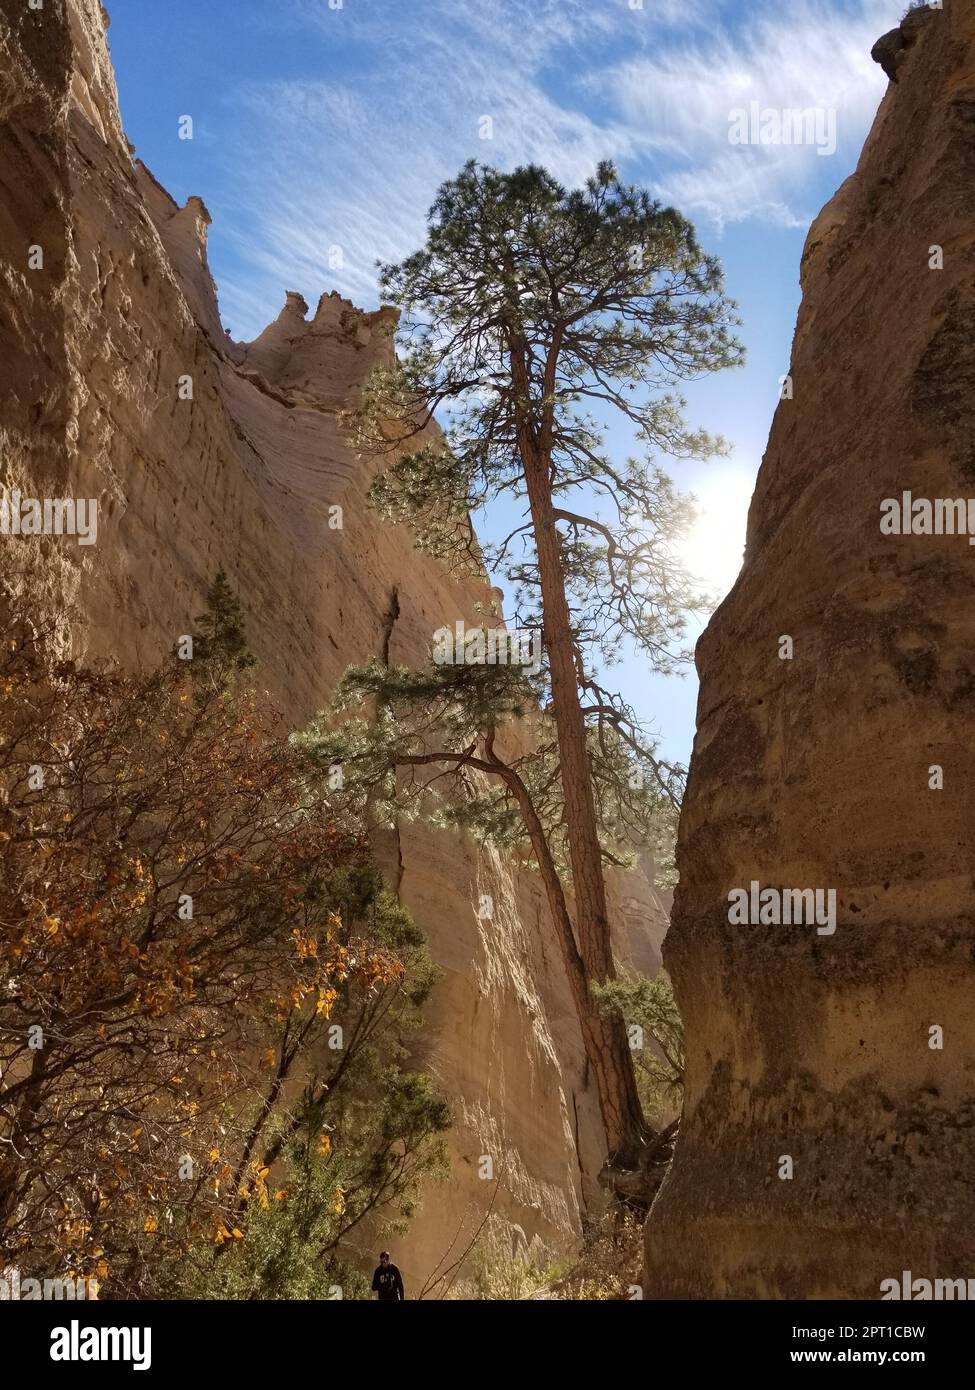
x=205 y=992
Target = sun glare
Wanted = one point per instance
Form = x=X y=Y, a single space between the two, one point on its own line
x=712 y=550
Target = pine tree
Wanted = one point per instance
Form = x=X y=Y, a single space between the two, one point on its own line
x=529 y=309
x=220 y=649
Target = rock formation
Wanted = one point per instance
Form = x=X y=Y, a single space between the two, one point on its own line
x=245 y=475
x=890 y=48
x=818 y=771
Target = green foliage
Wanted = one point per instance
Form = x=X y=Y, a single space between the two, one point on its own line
x=220 y=649
x=301 y=1243
x=285 y=1250
x=424 y=715
x=360 y=1133
x=650 y=1004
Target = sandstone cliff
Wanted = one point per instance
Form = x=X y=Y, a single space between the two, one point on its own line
x=815 y=771
x=243 y=476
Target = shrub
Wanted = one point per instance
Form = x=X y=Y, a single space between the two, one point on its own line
x=184 y=926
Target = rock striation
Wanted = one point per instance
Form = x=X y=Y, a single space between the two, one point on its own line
x=819 y=770
x=247 y=475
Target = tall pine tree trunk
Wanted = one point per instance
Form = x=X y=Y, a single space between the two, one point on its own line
x=604 y=1037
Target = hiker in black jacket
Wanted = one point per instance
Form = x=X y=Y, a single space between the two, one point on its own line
x=387 y=1281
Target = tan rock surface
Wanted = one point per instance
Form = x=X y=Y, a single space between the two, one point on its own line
x=243 y=477
x=814 y=771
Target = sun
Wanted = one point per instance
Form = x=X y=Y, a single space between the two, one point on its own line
x=712 y=550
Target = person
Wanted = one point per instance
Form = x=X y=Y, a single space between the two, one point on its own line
x=387 y=1281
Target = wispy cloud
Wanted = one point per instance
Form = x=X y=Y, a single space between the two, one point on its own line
x=352 y=161
x=799 y=56
x=355 y=164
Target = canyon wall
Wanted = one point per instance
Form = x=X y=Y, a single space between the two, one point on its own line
x=819 y=770
x=94 y=345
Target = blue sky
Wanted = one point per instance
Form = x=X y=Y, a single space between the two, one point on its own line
x=320 y=125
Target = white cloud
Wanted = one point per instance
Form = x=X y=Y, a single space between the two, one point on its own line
x=354 y=160
x=791 y=57
x=679 y=13
x=357 y=165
